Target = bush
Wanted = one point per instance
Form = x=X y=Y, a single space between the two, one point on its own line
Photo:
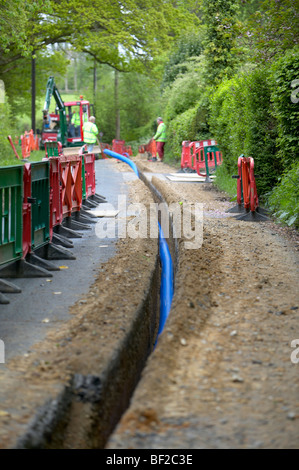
x=283 y=200
x=6 y=129
x=190 y=125
x=242 y=123
x=285 y=105
x=179 y=129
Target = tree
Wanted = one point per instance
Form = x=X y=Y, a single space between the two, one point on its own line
x=272 y=29
x=122 y=34
x=220 y=19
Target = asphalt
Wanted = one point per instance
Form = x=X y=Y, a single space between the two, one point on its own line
x=44 y=302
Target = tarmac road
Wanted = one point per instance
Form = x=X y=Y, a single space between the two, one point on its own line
x=44 y=302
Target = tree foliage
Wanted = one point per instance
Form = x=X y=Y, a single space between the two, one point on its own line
x=220 y=19
x=285 y=88
x=272 y=29
x=189 y=45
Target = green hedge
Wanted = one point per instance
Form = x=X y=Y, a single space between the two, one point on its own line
x=285 y=75
x=284 y=198
x=242 y=123
x=6 y=128
x=190 y=125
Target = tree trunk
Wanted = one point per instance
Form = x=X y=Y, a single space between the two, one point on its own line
x=75 y=74
x=94 y=87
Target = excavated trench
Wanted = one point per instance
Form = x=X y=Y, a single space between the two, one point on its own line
x=220 y=374
x=88 y=408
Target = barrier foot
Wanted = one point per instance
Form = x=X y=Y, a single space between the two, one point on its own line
x=66 y=232
x=74 y=225
x=9 y=287
x=63 y=241
x=3 y=299
x=89 y=204
x=237 y=209
x=262 y=211
x=21 y=268
x=253 y=216
x=32 y=258
x=83 y=218
x=97 y=198
x=51 y=252
x=208 y=180
x=87 y=214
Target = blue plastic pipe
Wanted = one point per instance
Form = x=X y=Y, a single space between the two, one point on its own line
x=166 y=287
x=123 y=159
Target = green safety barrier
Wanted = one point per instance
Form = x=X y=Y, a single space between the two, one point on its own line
x=40 y=208
x=52 y=149
x=11 y=219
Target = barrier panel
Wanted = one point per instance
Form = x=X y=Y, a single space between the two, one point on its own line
x=83 y=179
x=151 y=148
x=248 y=183
x=89 y=175
x=13 y=147
x=25 y=145
x=103 y=147
x=11 y=198
x=53 y=149
x=207 y=156
x=26 y=238
x=128 y=150
x=118 y=146
x=71 y=179
x=247 y=198
x=55 y=193
x=186 y=154
x=40 y=207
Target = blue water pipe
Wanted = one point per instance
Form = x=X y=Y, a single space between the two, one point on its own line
x=166 y=287
x=123 y=159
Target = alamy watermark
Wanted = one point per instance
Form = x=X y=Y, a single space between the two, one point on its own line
x=139 y=221
x=2 y=352
x=295 y=353
x=294 y=98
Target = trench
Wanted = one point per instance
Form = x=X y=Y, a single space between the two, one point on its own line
x=87 y=410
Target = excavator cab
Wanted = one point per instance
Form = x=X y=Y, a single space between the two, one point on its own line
x=70 y=117
x=77 y=113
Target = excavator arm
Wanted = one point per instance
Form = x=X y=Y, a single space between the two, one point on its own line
x=52 y=90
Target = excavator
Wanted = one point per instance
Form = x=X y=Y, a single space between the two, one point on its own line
x=66 y=124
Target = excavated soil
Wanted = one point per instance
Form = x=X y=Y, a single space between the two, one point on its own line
x=221 y=375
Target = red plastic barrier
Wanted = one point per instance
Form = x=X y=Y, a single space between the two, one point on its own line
x=55 y=193
x=71 y=179
x=53 y=149
x=25 y=145
x=27 y=210
x=128 y=150
x=90 y=174
x=141 y=149
x=103 y=147
x=186 y=155
x=13 y=147
x=118 y=146
x=206 y=156
x=151 y=148
x=239 y=182
x=248 y=183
